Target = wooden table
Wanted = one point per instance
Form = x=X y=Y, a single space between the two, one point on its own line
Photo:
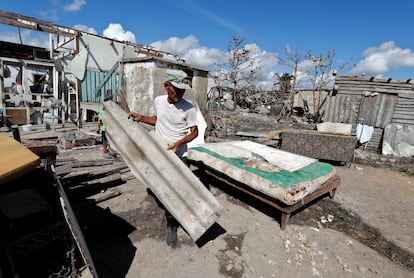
x=16 y=159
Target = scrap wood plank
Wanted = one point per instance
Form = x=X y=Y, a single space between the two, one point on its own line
x=89 y=174
x=91 y=163
x=124 y=102
x=172 y=182
x=16 y=159
x=78 y=168
x=74 y=227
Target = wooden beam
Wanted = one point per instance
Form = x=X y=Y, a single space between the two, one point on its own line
x=36 y=27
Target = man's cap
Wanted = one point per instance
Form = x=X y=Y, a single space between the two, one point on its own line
x=178 y=79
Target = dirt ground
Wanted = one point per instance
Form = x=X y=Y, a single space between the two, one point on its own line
x=365 y=231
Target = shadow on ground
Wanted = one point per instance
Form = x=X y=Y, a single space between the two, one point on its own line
x=107 y=234
x=344 y=221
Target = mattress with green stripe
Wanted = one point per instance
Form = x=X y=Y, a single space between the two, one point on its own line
x=284 y=176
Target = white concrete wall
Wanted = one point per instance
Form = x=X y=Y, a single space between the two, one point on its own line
x=143 y=81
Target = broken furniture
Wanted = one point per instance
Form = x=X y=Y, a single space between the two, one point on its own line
x=321 y=145
x=281 y=179
x=16 y=159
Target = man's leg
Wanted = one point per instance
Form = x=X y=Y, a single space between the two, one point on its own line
x=172 y=223
x=172 y=226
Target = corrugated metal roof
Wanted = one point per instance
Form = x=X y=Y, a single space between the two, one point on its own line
x=174 y=184
x=165 y=60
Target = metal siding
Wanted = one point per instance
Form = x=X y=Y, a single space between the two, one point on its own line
x=394 y=104
x=404 y=110
x=340 y=109
x=377 y=110
x=90 y=82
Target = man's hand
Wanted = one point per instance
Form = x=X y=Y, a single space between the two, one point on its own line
x=173 y=147
x=135 y=116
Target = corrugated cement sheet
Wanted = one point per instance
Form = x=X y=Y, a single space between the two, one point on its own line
x=174 y=184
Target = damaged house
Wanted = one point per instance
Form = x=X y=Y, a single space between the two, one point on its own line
x=381 y=112
x=67 y=81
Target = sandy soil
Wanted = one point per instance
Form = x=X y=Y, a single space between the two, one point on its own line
x=366 y=231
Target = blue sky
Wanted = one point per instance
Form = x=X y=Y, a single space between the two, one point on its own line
x=374 y=36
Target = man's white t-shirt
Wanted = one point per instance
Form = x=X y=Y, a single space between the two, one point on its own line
x=174 y=120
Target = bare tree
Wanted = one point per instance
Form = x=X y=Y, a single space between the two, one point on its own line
x=239 y=72
x=290 y=58
x=316 y=71
x=320 y=74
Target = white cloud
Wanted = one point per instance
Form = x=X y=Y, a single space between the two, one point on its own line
x=267 y=62
x=75 y=6
x=85 y=28
x=188 y=48
x=9 y=37
x=378 y=60
x=204 y=57
x=42 y=40
x=29 y=37
x=51 y=15
x=116 y=31
x=177 y=46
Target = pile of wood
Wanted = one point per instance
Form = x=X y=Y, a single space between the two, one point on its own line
x=91 y=181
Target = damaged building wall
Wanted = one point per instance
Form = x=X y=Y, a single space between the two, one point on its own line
x=99 y=54
x=143 y=80
x=314 y=99
x=96 y=66
x=83 y=66
x=103 y=64
x=371 y=102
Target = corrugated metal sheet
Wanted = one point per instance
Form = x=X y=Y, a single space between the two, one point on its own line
x=174 y=184
x=340 y=109
x=377 y=110
x=404 y=110
x=92 y=80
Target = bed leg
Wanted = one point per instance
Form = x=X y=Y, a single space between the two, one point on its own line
x=332 y=193
x=284 y=220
